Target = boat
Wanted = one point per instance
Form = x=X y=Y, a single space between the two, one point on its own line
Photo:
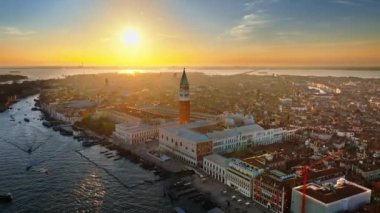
x=6 y=197
x=56 y=128
x=47 y=124
x=110 y=156
x=102 y=152
x=66 y=130
x=118 y=158
x=88 y=143
x=26 y=119
x=65 y=133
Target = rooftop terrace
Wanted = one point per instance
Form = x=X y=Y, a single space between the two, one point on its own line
x=338 y=193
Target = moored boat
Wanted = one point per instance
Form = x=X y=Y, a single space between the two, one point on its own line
x=47 y=124
x=118 y=158
x=6 y=197
x=88 y=143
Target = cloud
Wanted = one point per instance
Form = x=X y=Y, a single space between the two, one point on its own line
x=345 y=2
x=247 y=26
x=255 y=3
x=255 y=17
x=353 y=2
x=288 y=33
x=14 y=31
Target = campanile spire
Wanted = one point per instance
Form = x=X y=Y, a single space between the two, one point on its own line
x=184 y=99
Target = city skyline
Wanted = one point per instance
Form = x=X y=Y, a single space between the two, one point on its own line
x=196 y=33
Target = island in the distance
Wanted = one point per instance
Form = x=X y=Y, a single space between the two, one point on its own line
x=4 y=78
x=9 y=93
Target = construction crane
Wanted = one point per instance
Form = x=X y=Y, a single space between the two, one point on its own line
x=305 y=172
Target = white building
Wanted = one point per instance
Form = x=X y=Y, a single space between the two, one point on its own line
x=240 y=176
x=118 y=117
x=341 y=197
x=223 y=139
x=135 y=134
x=286 y=101
x=185 y=144
x=68 y=112
x=216 y=166
x=233 y=139
x=368 y=171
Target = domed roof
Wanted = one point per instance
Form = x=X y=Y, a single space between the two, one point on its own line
x=249 y=119
x=229 y=122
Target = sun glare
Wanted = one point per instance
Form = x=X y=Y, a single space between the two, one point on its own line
x=130 y=72
x=131 y=37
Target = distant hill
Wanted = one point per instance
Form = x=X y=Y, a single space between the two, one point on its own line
x=12 y=77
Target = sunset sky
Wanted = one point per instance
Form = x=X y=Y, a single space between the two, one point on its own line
x=190 y=32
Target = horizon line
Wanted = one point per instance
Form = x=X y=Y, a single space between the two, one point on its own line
x=349 y=67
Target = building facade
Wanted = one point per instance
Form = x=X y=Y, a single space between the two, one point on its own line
x=222 y=139
x=188 y=146
x=272 y=190
x=344 y=196
x=237 y=138
x=240 y=175
x=369 y=172
x=70 y=111
x=118 y=117
x=135 y=134
x=216 y=166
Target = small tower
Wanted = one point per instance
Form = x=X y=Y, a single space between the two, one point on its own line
x=184 y=99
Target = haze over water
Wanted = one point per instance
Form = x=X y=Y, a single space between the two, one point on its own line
x=52 y=73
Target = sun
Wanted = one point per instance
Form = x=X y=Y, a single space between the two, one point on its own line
x=131 y=37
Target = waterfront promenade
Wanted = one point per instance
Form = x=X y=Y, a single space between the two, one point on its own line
x=218 y=192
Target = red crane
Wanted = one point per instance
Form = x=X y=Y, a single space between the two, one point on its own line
x=305 y=172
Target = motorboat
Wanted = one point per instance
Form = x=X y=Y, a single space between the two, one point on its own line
x=47 y=124
x=6 y=197
x=118 y=158
x=88 y=143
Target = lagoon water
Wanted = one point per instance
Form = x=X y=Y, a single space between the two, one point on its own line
x=60 y=180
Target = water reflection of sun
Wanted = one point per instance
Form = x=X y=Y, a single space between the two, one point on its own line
x=130 y=72
x=91 y=192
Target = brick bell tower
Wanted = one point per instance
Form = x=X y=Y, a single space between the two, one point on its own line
x=184 y=99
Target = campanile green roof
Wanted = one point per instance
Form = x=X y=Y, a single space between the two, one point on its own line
x=184 y=78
